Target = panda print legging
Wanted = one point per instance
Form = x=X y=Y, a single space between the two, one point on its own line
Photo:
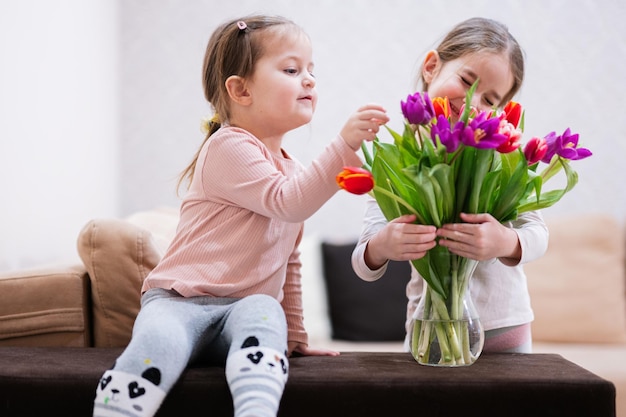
x=172 y=331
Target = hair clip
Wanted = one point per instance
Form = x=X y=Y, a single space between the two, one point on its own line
x=242 y=25
x=206 y=123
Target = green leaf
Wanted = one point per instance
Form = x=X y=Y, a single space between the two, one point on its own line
x=394 y=192
x=388 y=205
x=488 y=192
x=388 y=153
x=409 y=146
x=443 y=175
x=437 y=269
x=367 y=156
x=468 y=99
x=423 y=267
x=425 y=197
x=549 y=198
x=431 y=156
x=482 y=165
x=464 y=170
x=513 y=185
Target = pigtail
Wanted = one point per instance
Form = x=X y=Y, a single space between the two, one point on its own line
x=208 y=126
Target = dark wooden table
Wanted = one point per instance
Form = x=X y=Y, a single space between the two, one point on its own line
x=62 y=381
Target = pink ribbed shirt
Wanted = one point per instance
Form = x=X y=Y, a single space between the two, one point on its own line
x=242 y=220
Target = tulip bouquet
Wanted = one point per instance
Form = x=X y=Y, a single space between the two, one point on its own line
x=437 y=169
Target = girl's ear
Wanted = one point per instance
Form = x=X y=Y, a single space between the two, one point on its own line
x=237 y=90
x=431 y=66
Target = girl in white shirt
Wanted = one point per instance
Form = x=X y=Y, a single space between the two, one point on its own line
x=475 y=49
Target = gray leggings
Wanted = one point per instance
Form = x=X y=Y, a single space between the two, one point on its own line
x=172 y=331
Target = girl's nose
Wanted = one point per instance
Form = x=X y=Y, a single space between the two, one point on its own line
x=309 y=81
x=476 y=100
x=478 y=103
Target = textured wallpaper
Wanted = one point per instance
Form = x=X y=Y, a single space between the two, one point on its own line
x=369 y=51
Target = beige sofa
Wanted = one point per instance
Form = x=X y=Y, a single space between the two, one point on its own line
x=578 y=293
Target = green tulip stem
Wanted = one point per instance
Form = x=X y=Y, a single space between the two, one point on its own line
x=446 y=332
x=552 y=169
x=444 y=318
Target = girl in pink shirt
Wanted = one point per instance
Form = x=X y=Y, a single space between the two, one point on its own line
x=228 y=288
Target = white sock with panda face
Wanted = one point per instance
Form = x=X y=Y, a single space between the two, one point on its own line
x=256 y=377
x=124 y=394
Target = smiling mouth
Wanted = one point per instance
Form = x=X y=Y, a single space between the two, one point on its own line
x=455 y=110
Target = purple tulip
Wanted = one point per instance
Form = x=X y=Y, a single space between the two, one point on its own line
x=484 y=132
x=569 y=147
x=418 y=109
x=565 y=145
x=447 y=137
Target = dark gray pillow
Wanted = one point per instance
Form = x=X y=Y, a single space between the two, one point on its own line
x=361 y=310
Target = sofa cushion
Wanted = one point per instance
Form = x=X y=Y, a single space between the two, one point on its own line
x=577 y=287
x=161 y=222
x=118 y=256
x=360 y=310
x=45 y=307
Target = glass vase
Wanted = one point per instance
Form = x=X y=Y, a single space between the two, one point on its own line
x=446 y=327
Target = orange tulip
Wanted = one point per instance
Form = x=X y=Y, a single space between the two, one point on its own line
x=441 y=106
x=355 y=180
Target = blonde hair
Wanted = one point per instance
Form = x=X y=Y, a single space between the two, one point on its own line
x=480 y=34
x=233 y=49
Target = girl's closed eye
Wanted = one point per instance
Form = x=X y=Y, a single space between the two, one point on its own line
x=466 y=81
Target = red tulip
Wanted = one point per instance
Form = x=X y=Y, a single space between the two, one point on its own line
x=513 y=113
x=535 y=150
x=355 y=180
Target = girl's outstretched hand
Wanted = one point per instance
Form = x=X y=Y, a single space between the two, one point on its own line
x=364 y=125
x=305 y=350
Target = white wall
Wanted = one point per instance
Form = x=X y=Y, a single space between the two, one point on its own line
x=367 y=50
x=58 y=125
x=63 y=96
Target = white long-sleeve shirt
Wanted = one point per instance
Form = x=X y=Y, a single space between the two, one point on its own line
x=500 y=292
